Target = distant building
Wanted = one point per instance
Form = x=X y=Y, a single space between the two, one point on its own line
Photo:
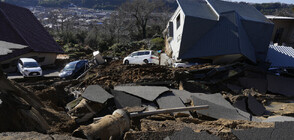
x=283 y=33
x=217 y=30
x=22 y=35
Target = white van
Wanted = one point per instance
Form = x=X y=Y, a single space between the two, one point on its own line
x=142 y=57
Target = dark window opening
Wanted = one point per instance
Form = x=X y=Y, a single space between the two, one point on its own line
x=278 y=36
x=171 y=29
x=5 y=66
x=178 y=21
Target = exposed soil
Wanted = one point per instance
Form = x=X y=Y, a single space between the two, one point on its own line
x=53 y=94
x=161 y=126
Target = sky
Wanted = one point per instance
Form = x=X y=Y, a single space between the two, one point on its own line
x=266 y=1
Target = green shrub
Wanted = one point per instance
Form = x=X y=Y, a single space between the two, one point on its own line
x=157 y=43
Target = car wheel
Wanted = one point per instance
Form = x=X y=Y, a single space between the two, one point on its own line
x=126 y=62
x=146 y=61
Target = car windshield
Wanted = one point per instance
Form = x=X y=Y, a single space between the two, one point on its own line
x=30 y=64
x=70 y=67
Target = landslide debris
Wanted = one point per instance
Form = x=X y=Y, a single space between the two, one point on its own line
x=44 y=99
x=23 y=110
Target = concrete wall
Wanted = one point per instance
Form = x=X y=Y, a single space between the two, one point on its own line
x=288 y=34
x=49 y=58
x=173 y=44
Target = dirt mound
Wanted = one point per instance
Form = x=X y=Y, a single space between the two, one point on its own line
x=116 y=73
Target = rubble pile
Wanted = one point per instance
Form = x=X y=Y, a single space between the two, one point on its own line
x=239 y=97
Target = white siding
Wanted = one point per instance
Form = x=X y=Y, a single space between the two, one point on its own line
x=175 y=42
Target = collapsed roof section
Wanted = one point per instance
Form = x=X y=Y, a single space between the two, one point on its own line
x=216 y=28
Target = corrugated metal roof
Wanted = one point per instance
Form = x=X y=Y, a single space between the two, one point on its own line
x=281 y=56
x=278 y=17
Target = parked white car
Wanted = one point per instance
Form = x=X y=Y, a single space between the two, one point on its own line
x=29 y=67
x=142 y=57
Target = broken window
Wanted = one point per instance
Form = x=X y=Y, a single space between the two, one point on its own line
x=178 y=21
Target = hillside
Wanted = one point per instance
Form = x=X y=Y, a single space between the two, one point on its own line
x=265 y=8
x=97 y=4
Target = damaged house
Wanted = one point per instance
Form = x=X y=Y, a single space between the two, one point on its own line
x=283 y=33
x=217 y=30
x=22 y=35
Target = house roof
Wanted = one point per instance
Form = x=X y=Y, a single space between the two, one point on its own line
x=22 y=27
x=245 y=10
x=272 y=17
x=197 y=8
x=281 y=56
x=238 y=29
x=7 y=47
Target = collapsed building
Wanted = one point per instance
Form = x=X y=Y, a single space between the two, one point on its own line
x=217 y=30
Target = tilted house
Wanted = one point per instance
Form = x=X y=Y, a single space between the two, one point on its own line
x=22 y=35
x=218 y=30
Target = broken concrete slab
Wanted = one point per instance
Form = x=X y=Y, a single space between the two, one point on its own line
x=255 y=107
x=169 y=100
x=247 y=115
x=188 y=134
x=218 y=107
x=123 y=99
x=97 y=94
x=282 y=130
x=254 y=134
x=184 y=95
x=241 y=104
x=281 y=85
x=258 y=84
x=149 y=93
x=279 y=119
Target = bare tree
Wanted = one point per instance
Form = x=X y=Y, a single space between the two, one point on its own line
x=141 y=11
